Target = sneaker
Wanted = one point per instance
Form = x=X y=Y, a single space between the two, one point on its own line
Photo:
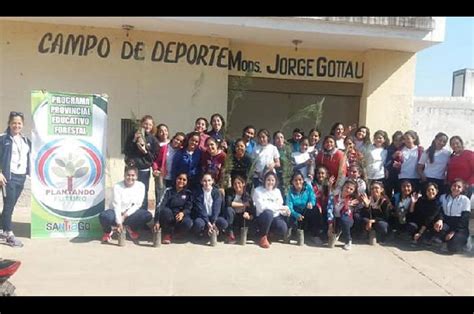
x=14 y=242
x=166 y=239
x=264 y=242
x=133 y=234
x=348 y=246
x=231 y=238
x=107 y=237
x=3 y=236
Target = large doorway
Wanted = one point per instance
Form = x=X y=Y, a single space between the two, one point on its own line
x=269 y=103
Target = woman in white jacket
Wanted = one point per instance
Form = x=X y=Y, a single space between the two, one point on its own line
x=270 y=211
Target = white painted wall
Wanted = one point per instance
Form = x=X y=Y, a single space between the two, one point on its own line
x=451 y=115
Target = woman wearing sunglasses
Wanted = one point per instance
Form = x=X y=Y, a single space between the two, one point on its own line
x=15 y=151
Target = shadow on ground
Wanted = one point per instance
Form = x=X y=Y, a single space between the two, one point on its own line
x=22 y=229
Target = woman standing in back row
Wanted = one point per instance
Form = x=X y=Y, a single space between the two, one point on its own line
x=140 y=151
x=461 y=164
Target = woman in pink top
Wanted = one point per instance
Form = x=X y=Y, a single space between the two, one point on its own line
x=461 y=164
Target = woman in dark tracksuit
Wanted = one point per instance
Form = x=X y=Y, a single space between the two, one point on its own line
x=188 y=160
x=424 y=212
x=454 y=223
x=238 y=207
x=376 y=211
x=140 y=150
x=174 y=210
x=15 y=151
x=207 y=208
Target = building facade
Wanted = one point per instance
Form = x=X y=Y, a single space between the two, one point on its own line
x=252 y=70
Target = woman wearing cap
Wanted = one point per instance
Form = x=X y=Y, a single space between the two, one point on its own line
x=296 y=139
x=15 y=151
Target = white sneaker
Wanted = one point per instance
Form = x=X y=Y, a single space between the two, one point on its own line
x=14 y=242
x=4 y=235
x=348 y=246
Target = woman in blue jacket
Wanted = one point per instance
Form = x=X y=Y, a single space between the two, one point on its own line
x=174 y=210
x=301 y=201
x=15 y=151
x=207 y=208
x=188 y=160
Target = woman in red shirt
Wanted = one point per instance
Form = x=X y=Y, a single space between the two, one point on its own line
x=333 y=159
x=461 y=164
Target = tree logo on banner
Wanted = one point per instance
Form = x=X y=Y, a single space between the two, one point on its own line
x=69 y=176
x=69 y=168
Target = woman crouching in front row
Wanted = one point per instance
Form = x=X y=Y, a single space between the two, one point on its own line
x=270 y=211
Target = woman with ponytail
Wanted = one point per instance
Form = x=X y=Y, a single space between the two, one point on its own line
x=433 y=162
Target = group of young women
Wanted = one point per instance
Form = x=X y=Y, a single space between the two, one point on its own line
x=344 y=183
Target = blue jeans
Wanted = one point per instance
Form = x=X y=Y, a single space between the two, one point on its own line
x=266 y=223
x=345 y=224
x=144 y=177
x=457 y=242
x=312 y=222
x=13 y=188
x=380 y=227
x=135 y=221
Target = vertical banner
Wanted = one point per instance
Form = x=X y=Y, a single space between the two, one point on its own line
x=68 y=164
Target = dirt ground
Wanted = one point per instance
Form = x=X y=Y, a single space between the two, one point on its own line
x=78 y=267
